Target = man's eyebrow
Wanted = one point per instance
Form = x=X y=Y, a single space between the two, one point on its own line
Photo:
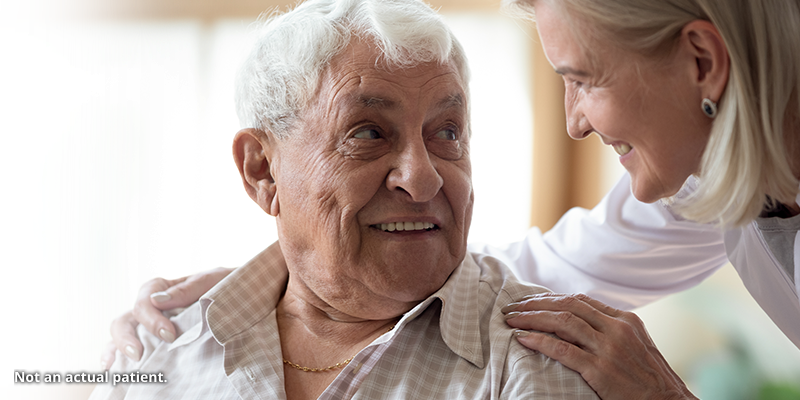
x=374 y=102
x=570 y=71
x=453 y=100
x=365 y=101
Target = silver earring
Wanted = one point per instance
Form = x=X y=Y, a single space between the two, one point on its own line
x=709 y=108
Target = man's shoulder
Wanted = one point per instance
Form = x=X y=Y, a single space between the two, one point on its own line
x=531 y=374
x=501 y=279
x=189 y=319
x=188 y=325
x=525 y=373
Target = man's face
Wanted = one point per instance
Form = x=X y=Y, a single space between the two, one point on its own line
x=374 y=183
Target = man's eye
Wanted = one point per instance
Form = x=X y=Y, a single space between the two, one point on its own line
x=446 y=134
x=367 y=134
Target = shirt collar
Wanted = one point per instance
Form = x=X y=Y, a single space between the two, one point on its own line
x=459 y=321
x=246 y=296
x=250 y=293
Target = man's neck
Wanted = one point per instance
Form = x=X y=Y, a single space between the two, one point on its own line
x=302 y=312
x=315 y=335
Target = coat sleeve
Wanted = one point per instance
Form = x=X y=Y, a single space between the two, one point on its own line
x=623 y=252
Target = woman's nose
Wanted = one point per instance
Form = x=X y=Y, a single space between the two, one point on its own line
x=578 y=127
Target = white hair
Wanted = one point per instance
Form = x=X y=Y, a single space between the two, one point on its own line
x=746 y=167
x=283 y=71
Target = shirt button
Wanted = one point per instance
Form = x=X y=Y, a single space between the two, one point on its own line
x=356 y=366
x=250 y=373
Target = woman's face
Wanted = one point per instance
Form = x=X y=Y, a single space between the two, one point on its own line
x=648 y=111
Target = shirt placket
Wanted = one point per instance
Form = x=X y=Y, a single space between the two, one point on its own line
x=350 y=379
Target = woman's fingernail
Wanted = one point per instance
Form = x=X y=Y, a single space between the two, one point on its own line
x=537 y=296
x=512 y=315
x=521 y=333
x=132 y=353
x=160 y=297
x=103 y=365
x=509 y=307
x=166 y=335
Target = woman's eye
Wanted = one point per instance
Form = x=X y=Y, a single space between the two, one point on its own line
x=582 y=85
x=572 y=82
x=446 y=134
x=367 y=134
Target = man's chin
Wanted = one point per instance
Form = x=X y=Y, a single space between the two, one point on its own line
x=415 y=281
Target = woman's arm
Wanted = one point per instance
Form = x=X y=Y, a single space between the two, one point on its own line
x=623 y=252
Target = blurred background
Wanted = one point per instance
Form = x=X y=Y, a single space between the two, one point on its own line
x=116 y=120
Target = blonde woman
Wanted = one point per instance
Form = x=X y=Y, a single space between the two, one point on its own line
x=681 y=89
x=700 y=99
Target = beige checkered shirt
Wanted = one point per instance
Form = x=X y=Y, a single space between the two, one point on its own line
x=453 y=345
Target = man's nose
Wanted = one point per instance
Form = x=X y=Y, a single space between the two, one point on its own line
x=415 y=173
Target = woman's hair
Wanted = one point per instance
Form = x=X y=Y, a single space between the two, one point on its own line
x=746 y=157
x=282 y=73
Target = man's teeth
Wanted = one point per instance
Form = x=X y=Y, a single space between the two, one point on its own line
x=406 y=226
x=622 y=149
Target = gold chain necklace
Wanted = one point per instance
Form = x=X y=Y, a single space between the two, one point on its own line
x=332 y=367
x=307 y=369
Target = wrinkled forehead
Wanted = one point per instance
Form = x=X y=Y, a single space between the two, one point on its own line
x=360 y=78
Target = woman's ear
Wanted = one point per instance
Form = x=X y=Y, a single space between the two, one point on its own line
x=711 y=55
x=253 y=153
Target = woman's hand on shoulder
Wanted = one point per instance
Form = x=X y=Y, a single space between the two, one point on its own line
x=610 y=348
x=155 y=296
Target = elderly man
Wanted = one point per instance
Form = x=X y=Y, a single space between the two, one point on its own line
x=358 y=145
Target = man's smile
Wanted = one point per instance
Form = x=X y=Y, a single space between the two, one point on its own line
x=406 y=226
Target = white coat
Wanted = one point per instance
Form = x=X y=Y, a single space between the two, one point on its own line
x=626 y=253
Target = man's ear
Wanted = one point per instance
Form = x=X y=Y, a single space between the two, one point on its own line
x=253 y=153
x=711 y=56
